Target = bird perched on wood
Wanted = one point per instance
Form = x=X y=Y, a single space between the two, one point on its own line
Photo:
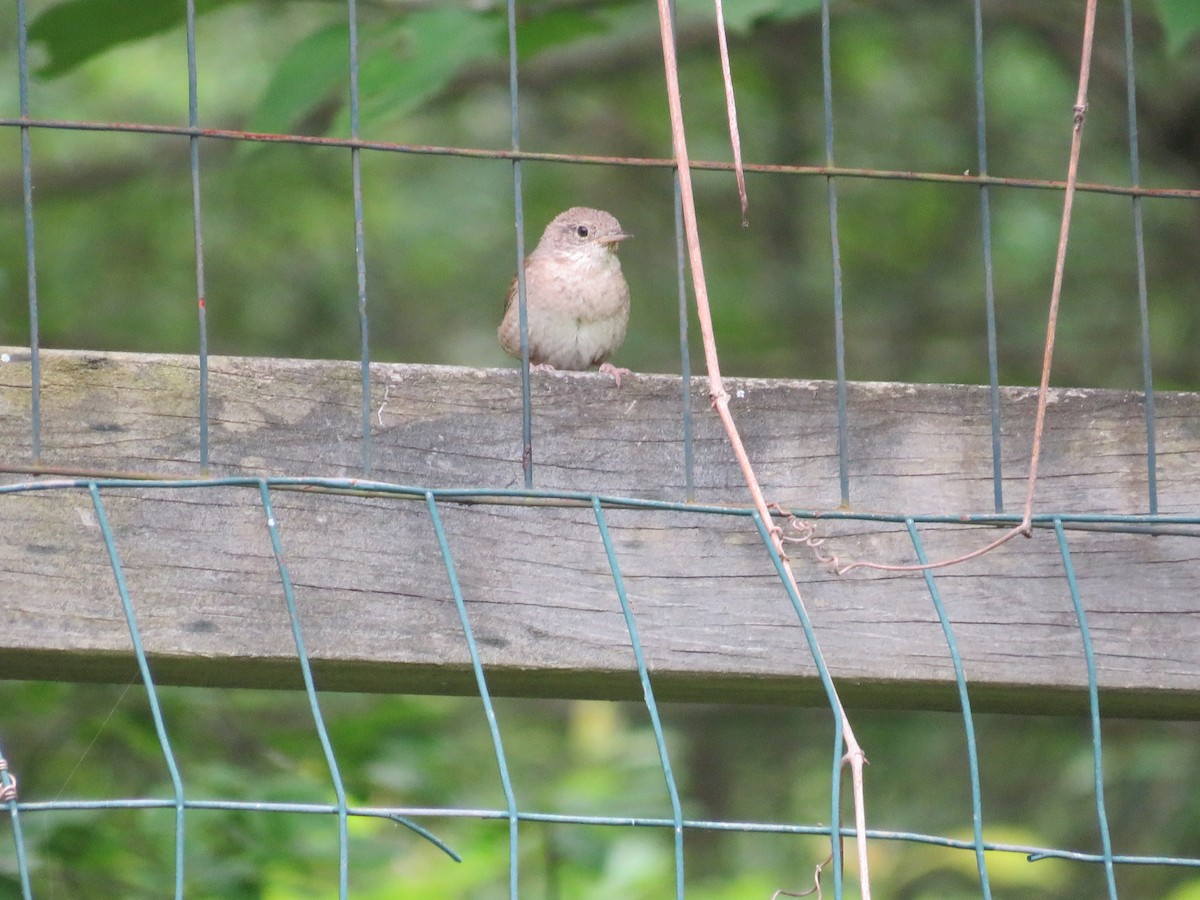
x=577 y=300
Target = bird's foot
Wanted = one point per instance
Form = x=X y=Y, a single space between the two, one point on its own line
x=615 y=371
x=543 y=367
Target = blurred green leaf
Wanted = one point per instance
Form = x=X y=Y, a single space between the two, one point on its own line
x=1190 y=891
x=741 y=16
x=1180 y=21
x=403 y=62
x=555 y=27
x=75 y=31
x=407 y=61
x=309 y=74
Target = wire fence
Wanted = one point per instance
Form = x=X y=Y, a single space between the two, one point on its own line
x=515 y=811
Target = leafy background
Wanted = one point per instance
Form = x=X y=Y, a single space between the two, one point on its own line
x=115 y=270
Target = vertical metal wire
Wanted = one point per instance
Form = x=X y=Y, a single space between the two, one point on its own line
x=839 y=331
x=1135 y=175
x=831 y=694
x=485 y=696
x=360 y=250
x=289 y=597
x=1093 y=706
x=519 y=208
x=143 y=664
x=35 y=360
x=964 y=700
x=197 y=225
x=647 y=692
x=9 y=783
x=989 y=293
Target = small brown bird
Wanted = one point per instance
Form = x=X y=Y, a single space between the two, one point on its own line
x=577 y=301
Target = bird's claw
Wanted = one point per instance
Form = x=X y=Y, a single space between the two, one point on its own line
x=615 y=371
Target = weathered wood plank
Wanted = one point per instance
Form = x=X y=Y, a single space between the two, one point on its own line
x=372 y=585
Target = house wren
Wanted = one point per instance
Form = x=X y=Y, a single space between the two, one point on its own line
x=576 y=299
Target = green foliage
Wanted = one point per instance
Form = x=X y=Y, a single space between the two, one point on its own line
x=403 y=62
x=741 y=17
x=412 y=58
x=313 y=73
x=1181 y=22
x=589 y=758
x=556 y=26
x=76 y=31
x=405 y=59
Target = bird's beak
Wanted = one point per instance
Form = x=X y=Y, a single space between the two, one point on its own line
x=614 y=239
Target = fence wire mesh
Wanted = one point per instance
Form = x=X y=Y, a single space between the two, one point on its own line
x=515 y=812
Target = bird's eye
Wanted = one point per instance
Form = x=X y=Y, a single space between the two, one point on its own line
x=581 y=230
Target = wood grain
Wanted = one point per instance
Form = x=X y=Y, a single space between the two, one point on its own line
x=373 y=590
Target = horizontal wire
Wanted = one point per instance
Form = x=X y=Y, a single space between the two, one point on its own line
x=425 y=812
x=230 y=134
x=1138 y=523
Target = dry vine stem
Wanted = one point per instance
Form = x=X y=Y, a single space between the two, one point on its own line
x=720 y=402
x=735 y=140
x=814 y=890
x=1025 y=527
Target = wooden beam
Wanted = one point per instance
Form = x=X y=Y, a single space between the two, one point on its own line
x=372 y=585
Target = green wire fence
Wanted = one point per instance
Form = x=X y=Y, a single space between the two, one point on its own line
x=516 y=812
